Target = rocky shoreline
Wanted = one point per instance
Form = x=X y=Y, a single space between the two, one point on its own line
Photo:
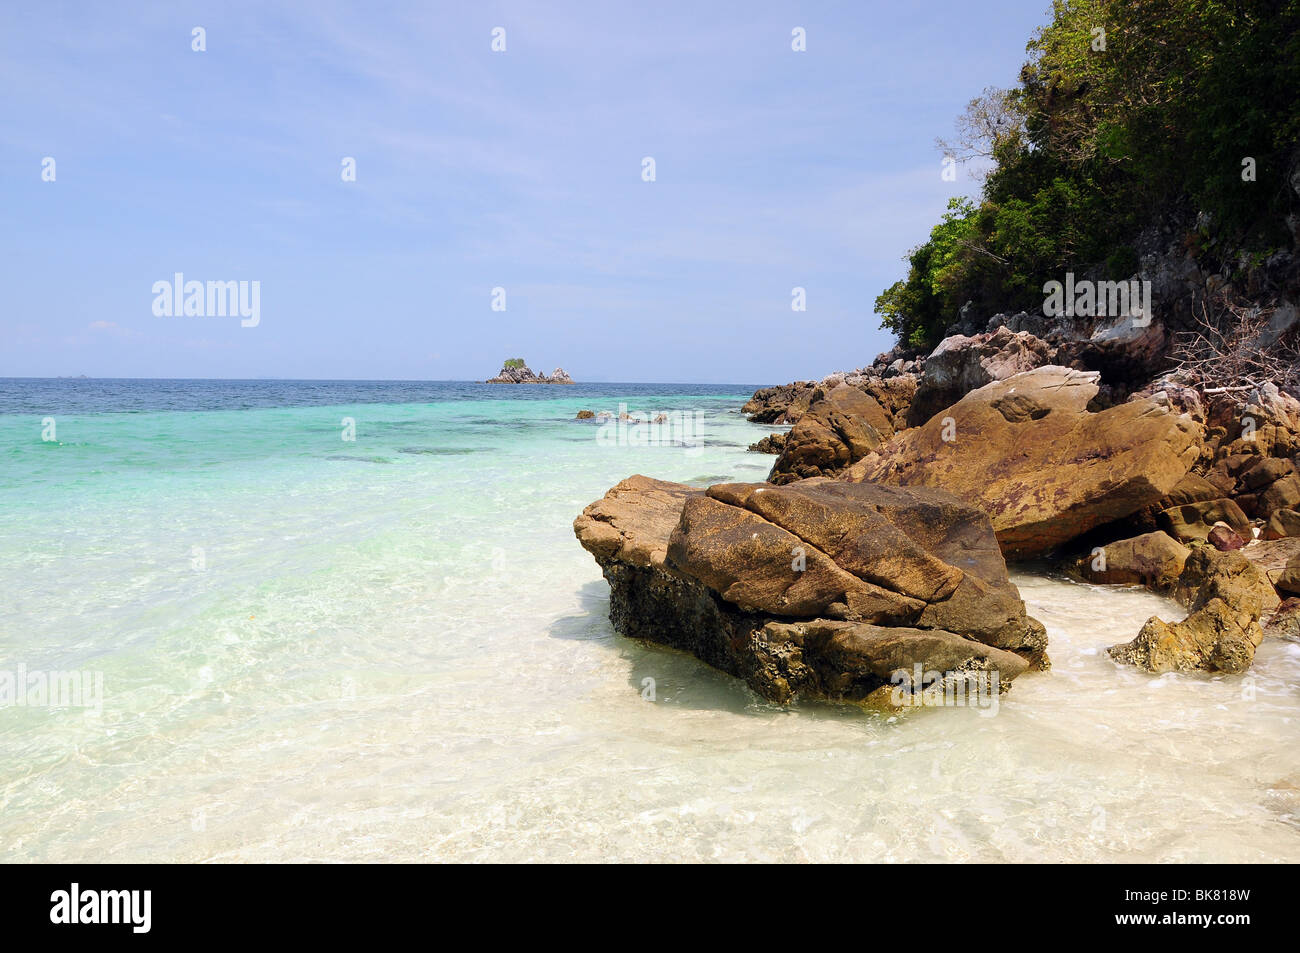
x=823 y=587
x=880 y=540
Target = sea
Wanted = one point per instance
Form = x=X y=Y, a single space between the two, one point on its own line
x=349 y=621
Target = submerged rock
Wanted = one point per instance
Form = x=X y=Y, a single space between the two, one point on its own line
x=1227 y=595
x=1045 y=468
x=817 y=589
x=772 y=443
x=1214 y=638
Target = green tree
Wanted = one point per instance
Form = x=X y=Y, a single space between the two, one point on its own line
x=1127 y=112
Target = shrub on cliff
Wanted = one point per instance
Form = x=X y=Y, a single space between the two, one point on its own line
x=1126 y=111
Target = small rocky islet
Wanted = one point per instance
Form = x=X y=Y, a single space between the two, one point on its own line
x=881 y=538
x=516 y=371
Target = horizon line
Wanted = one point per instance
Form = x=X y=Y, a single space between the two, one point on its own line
x=367 y=380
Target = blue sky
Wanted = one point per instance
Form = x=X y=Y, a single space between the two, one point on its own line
x=477 y=169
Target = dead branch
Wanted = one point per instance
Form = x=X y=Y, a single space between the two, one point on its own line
x=1227 y=352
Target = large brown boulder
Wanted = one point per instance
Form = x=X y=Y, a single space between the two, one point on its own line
x=1154 y=560
x=1030 y=453
x=1282 y=495
x=631 y=523
x=1190 y=489
x=842 y=658
x=812 y=589
x=842 y=425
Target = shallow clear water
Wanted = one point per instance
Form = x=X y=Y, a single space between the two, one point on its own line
x=393 y=648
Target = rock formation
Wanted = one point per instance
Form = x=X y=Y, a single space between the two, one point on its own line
x=840 y=427
x=1227 y=595
x=517 y=372
x=817 y=589
x=772 y=443
x=1214 y=638
x=961 y=364
x=779 y=405
x=1154 y=560
x=1031 y=454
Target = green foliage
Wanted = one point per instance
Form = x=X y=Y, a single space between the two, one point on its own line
x=514 y=363
x=1103 y=142
x=916 y=309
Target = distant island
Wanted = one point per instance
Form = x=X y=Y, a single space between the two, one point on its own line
x=515 y=371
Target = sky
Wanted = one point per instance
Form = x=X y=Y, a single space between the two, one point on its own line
x=477 y=169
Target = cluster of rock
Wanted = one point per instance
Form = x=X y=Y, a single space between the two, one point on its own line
x=1029 y=451
x=843 y=423
x=512 y=373
x=879 y=539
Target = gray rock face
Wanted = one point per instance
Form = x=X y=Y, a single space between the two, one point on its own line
x=817 y=589
x=960 y=364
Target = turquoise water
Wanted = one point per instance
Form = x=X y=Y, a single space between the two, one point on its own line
x=392 y=647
